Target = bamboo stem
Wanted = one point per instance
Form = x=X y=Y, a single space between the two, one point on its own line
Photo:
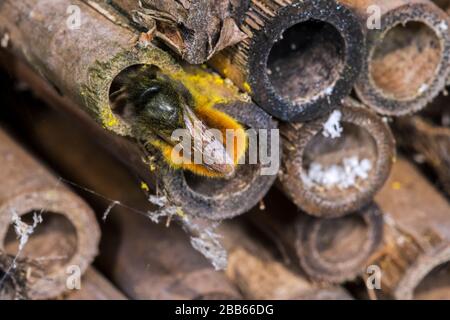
x=408 y=56
x=364 y=136
x=65 y=56
x=260 y=276
x=208 y=198
x=329 y=250
x=88 y=80
x=69 y=233
x=195 y=30
x=144 y=260
x=94 y=286
x=171 y=269
x=430 y=140
x=416 y=240
x=300 y=58
x=444 y=5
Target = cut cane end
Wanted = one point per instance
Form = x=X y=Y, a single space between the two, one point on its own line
x=316 y=175
x=408 y=60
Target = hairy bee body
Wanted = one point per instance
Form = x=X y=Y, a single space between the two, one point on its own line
x=158 y=104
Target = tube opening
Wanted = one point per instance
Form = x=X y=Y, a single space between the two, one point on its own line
x=405 y=63
x=435 y=285
x=335 y=167
x=52 y=244
x=343 y=239
x=119 y=92
x=307 y=61
x=221 y=187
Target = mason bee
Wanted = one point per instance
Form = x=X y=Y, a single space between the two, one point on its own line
x=151 y=101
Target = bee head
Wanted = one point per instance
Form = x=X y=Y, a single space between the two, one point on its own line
x=159 y=102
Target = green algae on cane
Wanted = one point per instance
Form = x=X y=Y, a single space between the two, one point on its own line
x=95 y=91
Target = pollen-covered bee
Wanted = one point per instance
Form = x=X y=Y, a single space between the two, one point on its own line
x=153 y=102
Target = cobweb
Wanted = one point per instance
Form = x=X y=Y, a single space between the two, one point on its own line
x=203 y=235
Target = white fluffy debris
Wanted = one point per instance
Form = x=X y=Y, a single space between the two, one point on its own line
x=341 y=176
x=389 y=220
x=332 y=127
x=208 y=244
x=5 y=41
x=166 y=210
x=203 y=239
x=23 y=230
x=419 y=158
x=159 y=201
x=423 y=88
x=443 y=26
x=329 y=91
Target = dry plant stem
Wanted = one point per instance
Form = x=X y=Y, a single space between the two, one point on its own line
x=364 y=135
x=69 y=234
x=408 y=57
x=65 y=55
x=299 y=59
x=144 y=260
x=417 y=239
x=260 y=276
x=94 y=286
x=435 y=286
x=195 y=30
x=329 y=250
x=209 y=198
x=430 y=140
x=84 y=73
x=170 y=269
x=444 y=5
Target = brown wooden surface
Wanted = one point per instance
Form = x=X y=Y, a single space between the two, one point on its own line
x=364 y=136
x=329 y=250
x=68 y=58
x=427 y=139
x=94 y=286
x=305 y=82
x=259 y=275
x=233 y=197
x=144 y=260
x=193 y=29
x=417 y=224
x=68 y=235
x=406 y=64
